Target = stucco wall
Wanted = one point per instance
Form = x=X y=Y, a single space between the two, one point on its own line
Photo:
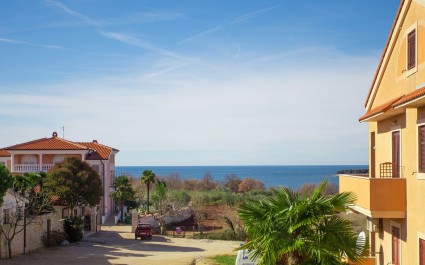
x=35 y=232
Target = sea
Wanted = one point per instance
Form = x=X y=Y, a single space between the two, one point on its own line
x=272 y=176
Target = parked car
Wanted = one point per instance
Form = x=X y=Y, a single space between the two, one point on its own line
x=143 y=231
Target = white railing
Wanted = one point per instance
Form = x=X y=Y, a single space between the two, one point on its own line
x=24 y=168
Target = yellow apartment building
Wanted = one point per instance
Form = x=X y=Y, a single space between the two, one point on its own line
x=393 y=195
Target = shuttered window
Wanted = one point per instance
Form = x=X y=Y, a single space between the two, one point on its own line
x=421 y=252
x=411 y=50
x=395 y=245
x=421 y=149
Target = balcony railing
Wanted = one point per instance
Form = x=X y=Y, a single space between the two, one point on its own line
x=389 y=170
x=26 y=168
x=376 y=197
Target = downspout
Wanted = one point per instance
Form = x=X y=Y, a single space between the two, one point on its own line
x=103 y=175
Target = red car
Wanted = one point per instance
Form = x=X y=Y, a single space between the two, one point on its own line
x=143 y=231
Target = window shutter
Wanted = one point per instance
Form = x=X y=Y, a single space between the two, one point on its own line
x=421 y=148
x=411 y=50
x=421 y=252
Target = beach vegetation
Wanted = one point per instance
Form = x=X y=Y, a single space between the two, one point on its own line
x=290 y=228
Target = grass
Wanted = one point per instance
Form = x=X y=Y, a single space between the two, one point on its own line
x=224 y=259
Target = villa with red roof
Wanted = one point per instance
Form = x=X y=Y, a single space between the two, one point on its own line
x=41 y=155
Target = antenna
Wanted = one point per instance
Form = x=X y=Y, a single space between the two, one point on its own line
x=63 y=132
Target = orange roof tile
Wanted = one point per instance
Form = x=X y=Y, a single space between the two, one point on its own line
x=102 y=152
x=380 y=109
x=53 y=143
x=4 y=153
x=410 y=97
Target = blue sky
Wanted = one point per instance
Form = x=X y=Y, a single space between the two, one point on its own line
x=194 y=82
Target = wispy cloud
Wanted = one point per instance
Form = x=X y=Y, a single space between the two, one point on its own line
x=11 y=41
x=71 y=12
x=203 y=33
x=139 y=18
x=138 y=42
x=251 y=15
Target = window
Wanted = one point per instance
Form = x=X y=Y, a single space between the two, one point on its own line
x=29 y=160
x=19 y=213
x=6 y=216
x=396 y=154
x=395 y=234
x=421 y=251
x=411 y=49
x=421 y=148
x=96 y=168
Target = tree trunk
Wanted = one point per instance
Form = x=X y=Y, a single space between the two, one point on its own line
x=148 y=186
x=122 y=212
x=9 y=248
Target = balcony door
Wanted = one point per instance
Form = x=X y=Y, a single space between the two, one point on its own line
x=395 y=235
x=396 y=154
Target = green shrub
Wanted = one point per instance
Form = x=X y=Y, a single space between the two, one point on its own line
x=179 y=197
x=74 y=227
x=55 y=239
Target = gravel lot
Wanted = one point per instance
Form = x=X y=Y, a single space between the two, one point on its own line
x=116 y=245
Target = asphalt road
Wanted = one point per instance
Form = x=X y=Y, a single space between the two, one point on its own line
x=116 y=245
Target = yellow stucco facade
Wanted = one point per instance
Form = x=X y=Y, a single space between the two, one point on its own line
x=393 y=195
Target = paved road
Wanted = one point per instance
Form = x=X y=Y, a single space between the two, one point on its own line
x=116 y=245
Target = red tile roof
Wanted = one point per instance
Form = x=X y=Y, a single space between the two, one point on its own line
x=380 y=109
x=410 y=97
x=4 y=153
x=53 y=143
x=102 y=152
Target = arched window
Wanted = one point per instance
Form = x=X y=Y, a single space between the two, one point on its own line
x=58 y=158
x=29 y=160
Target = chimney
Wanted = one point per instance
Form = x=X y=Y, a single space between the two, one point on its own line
x=94 y=141
x=54 y=134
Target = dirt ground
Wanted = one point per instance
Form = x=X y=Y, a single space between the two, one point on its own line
x=116 y=245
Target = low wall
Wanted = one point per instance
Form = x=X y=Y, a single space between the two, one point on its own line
x=34 y=236
x=181 y=215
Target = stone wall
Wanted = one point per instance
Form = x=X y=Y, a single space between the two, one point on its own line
x=34 y=235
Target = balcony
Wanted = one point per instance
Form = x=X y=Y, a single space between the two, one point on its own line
x=26 y=168
x=376 y=197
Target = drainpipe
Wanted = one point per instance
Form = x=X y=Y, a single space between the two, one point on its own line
x=103 y=175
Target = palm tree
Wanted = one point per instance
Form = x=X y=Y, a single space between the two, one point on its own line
x=289 y=228
x=123 y=192
x=147 y=178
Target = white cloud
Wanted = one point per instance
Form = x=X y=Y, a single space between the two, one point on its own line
x=279 y=112
x=71 y=12
x=11 y=41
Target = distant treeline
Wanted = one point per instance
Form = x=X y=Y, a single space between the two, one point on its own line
x=354 y=171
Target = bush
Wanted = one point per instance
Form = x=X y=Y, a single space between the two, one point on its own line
x=55 y=239
x=74 y=227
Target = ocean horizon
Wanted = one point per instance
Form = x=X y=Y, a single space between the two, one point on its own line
x=272 y=176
